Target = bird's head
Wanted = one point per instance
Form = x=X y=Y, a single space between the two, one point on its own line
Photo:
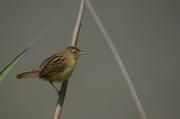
x=76 y=52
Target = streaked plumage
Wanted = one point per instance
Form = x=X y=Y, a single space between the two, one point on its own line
x=58 y=67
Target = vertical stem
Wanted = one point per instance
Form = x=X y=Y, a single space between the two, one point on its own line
x=61 y=98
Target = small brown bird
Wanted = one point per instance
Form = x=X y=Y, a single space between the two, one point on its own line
x=56 y=68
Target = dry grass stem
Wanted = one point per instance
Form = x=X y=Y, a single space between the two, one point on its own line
x=60 y=101
x=78 y=24
x=118 y=59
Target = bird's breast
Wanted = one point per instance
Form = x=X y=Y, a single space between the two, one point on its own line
x=61 y=76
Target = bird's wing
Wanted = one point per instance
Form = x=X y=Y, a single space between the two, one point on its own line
x=50 y=60
x=52 y=65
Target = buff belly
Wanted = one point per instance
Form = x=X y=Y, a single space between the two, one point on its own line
x=61 y=76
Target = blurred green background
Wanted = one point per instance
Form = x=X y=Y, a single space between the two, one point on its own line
x=146 y=34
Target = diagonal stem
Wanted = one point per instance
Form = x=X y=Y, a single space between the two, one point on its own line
x=42 y=34
x=119 y=60
x=78 y=23
x=60 y=101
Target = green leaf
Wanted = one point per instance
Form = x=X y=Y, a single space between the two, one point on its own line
x=9 y=66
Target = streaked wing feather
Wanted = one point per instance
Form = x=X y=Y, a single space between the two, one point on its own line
x=54 y=64
x=50 y=60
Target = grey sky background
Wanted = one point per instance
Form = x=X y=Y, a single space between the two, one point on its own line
x=146 y=34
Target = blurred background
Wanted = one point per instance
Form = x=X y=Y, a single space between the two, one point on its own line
x=146 y=34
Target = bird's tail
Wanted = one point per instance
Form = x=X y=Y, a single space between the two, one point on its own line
x=29 y=74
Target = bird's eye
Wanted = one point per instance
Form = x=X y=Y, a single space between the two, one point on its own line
x=74 y=51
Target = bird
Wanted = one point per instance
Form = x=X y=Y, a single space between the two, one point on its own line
x=57 y=68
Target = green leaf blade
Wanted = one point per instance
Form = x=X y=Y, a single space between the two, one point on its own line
x=9 y=66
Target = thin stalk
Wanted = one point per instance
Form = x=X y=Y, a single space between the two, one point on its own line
x=78 y=23
x=42 y=34
x=59 y=105
x=60 y=101
x=119 y=60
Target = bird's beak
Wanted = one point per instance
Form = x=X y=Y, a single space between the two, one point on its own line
x=82 y=52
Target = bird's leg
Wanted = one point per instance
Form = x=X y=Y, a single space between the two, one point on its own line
x=61 y=93
x=52 y=84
